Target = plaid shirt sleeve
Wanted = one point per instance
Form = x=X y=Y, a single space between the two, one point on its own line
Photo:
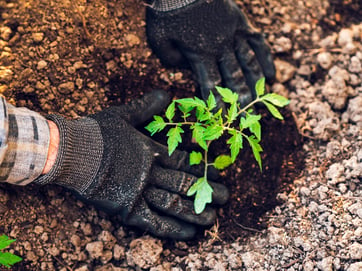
x=24 y=141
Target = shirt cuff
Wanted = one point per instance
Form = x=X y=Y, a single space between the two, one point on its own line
x=25 y=148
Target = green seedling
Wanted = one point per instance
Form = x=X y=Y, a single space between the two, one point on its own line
x=240 y=123
x=7 y=259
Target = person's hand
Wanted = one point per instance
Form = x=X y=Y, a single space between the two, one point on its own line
x=110 y=164
x=213 y=38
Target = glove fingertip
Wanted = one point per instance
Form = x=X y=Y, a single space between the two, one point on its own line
x=221 y=193
x=157 y=100
x=213 y=173
x=187 y=233
x=161 y=95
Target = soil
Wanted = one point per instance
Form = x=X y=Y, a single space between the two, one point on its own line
x=76 y=57
x=254 y=192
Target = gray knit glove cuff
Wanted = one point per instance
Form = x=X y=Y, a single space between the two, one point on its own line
x=79 y=154
x=169 y=5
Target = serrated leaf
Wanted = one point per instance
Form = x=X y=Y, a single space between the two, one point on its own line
x=211 y=101
x=249 y=120
x=257 y=149
x=273 y=110
x=198 y=134
x=222 y=161
x=276 y=99
x=157 y=125
x=255 y=128
x=236 y=144
x=228 y=96
x=170 y=112
x=203 y=196
x=7 y=259
x=213 y=132
x=260 y=87
x=5 y=241
x=174 y=138
x=200 y=102
x=193 y=189
x=195 y=158
x=191 y=102
x=205 y=116
x=185 y=109
x=232 y=112
x=217 y=115
x=202 y=114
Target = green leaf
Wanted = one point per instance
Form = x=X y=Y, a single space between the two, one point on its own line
x=174 y=138
x=276 y=99
x=222 y=161
x=156 y=126
x=236 y=144
x=273 y=110
x=7 y=259
x=5 y=241
x=260 y=87
x=191 y=102
x=228 y=96
x=211 y=102
x=202 y=114
x=213 y=132
x=203 y=196
x=232 y=112
x=217 y=115
x=170 y=112
x=185 y=109
x=195 y=158
x=257 y=149
x=198 y=134
x=249 y=120
x=193 y=189
x=255 y=128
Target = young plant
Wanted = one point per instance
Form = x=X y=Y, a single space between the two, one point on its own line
x=7 y=259
x=241 y=123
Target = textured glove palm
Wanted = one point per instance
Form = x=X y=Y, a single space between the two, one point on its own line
x=131 y=173
x=215 y=39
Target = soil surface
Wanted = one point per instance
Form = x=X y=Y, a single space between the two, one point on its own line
x=302 y=212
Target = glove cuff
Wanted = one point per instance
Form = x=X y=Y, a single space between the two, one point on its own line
x=79 y=154
x=169 y=5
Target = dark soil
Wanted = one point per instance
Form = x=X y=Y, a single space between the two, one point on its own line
x=253 y=193
x=342 y=13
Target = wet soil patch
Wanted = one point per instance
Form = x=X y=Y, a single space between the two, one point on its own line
x=254 y=192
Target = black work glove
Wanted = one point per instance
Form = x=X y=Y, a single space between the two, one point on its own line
x=215 y=39
x=110 y=164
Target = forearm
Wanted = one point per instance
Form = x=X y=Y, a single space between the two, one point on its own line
x=53 y=147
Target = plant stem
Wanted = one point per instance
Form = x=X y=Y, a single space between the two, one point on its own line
x=257 y=100
x=180 y=123
x=206 y=159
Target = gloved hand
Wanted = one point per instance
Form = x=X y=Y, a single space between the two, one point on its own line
x=213 y=38
x=110 y=164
